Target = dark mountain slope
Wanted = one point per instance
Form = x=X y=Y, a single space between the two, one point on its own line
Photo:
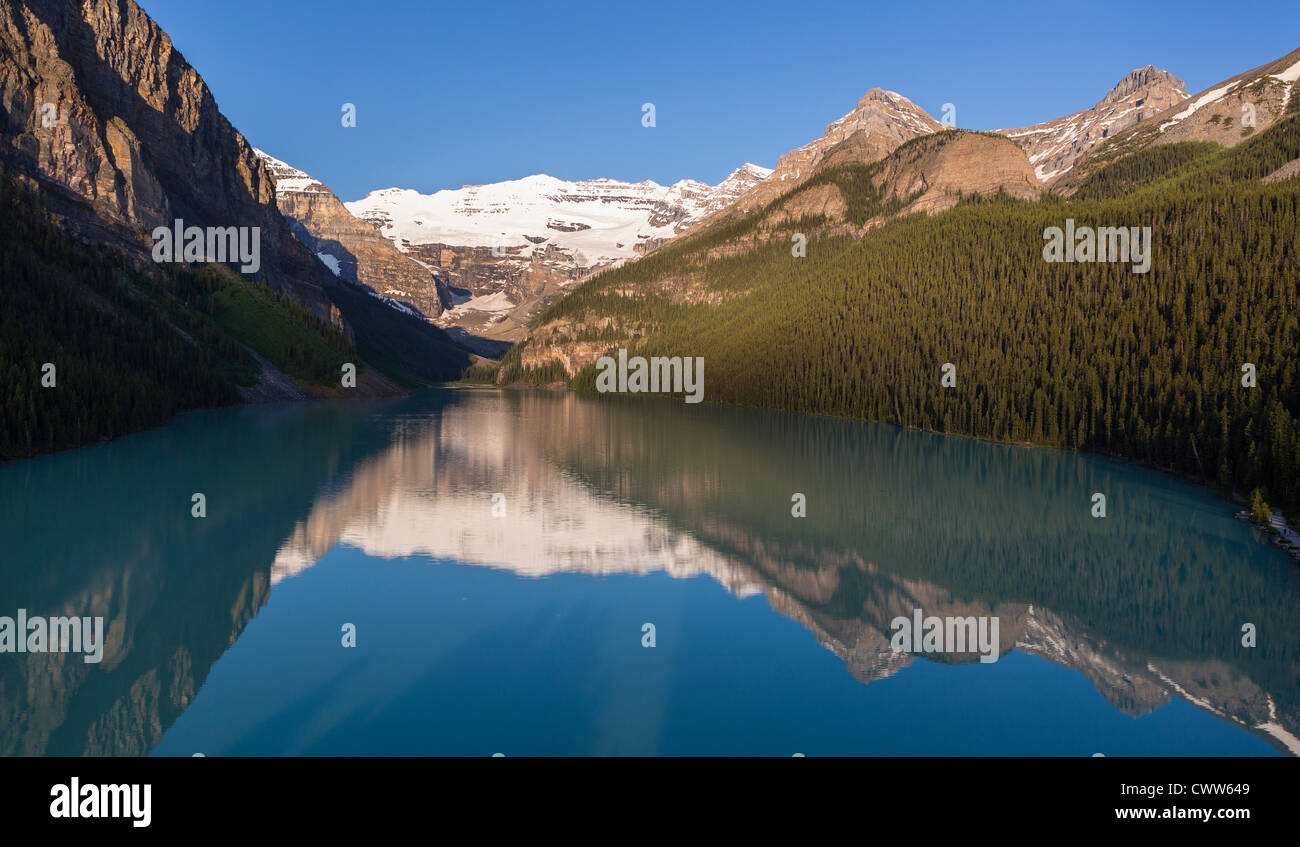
x=97 y=102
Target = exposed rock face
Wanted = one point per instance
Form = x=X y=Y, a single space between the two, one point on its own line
x=1235 y=108
x=1290 y=170
x=494 y=295
x=352 y=248
x=100 y=107
x=1226 y=113
x=881 y=122
x=509 y=248
x=949 y=165
x=574 y=357
x=930 y=173
x=1054 y=146
x=820 y=200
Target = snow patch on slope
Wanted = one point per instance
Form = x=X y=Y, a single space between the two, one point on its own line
x=1204 y=100
x=331 y=262
x=597 y=221
x=289 y=178
x=1291 y=74
x=497 y=305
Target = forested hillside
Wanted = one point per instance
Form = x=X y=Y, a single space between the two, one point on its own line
x=132 y=346
x=119 y=364
x=1092 y=356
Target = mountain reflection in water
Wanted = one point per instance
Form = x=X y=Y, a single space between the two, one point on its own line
x=1147 y=604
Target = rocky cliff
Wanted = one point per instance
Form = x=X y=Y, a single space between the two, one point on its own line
x=350 y=247
x=102 y=110
x=1055 y=146
x=1226 y=113
x=943 y=168
x=506 y=249
x=880 y=123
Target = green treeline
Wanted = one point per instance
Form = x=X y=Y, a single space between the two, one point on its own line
x=131 y=347
x=1091 y=356
x=1142 y=168
x=119 y=363
x=411 y=351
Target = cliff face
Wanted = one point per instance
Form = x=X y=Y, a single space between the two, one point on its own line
x=957 y=163
x=880 y=123
x=352 y=248
x=100 y=107
x=1055 y=146
x=505 y=250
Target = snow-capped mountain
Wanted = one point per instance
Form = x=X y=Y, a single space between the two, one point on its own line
x=595 y=221
x=507 y=248
x=1054 y=146
x=289 y=178
x=351 y=248
x=1225 y=113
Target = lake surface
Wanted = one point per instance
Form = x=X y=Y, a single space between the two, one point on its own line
x=522 y=632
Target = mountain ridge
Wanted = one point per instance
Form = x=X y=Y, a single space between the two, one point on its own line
x=1262 y=95
x=506 y=249
x=351 y=248
x=1055 y=146
x=134 y=131
x=873 y=299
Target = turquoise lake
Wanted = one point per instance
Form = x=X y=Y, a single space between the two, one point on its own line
x=517 y=624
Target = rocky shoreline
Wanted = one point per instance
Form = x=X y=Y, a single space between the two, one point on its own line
x=1283 y=535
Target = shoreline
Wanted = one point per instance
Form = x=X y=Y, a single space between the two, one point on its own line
x=1282 y=535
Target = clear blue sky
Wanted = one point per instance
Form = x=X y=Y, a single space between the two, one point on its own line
x=454 y=93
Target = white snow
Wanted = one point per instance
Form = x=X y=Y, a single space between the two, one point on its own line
x=1291 y=74
x=1112 y=118
x=1070 y=136
x=605 y=218
x=1028 y=132
x=330 y=261
x=395 y=304
x=287 y=177
x=1205 y=99
x=496 y=303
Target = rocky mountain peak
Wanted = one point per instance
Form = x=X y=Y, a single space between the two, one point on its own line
x=749 y=170
x=890 y=111
x=880 y=98
x=880 y=123
x=1055 y=146
x=288 y=178
x=738 y=182
x=351 y=248
x=1142 y=79
x=98 y=106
